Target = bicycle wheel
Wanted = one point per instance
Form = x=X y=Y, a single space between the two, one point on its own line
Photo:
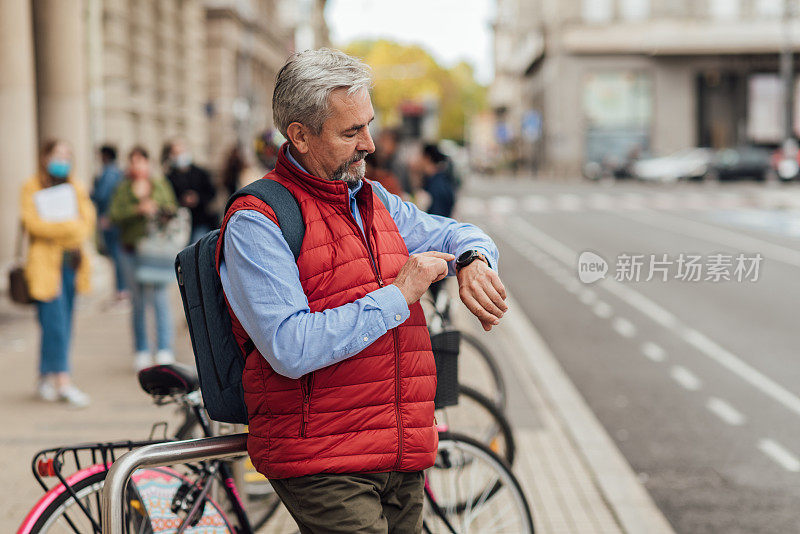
x=478 y=369
x=478 y=417
x=471 y=490
x=148 y=501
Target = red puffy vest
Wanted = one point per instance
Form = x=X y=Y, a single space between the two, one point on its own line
x=372 y=412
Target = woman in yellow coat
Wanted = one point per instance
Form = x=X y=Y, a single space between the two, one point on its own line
x=58 y=217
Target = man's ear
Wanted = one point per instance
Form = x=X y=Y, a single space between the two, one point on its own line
x=298 y=136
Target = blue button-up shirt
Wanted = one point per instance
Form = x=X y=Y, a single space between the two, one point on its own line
x=262 y=284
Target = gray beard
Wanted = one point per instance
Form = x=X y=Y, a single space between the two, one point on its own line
x=343 y=173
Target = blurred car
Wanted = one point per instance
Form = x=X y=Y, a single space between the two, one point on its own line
x=740 y=162
x=686 y=164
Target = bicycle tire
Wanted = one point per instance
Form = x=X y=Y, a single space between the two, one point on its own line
x=63 y=512
x=497 y=436
x=498 y=391
x=447 y=510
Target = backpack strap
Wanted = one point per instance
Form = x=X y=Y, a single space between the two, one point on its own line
x=285 y=206
x=382 y=195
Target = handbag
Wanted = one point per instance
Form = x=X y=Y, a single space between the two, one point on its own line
x=17 y=284
x=156 y=251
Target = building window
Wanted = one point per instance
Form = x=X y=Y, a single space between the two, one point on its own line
x=770 y=8
x=634 y=9
x=617 y=108
x=597 y=11
x=765 y=108
x=724 y=9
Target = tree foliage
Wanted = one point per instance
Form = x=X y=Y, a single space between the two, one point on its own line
x=408 y=73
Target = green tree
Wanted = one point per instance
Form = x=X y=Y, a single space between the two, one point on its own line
x=408 y=73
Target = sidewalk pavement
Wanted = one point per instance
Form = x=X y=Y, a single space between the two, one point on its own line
x=576 y=480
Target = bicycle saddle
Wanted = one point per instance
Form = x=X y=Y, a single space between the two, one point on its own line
x=172 y=379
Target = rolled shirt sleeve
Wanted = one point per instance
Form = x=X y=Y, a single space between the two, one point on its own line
x=424 y=232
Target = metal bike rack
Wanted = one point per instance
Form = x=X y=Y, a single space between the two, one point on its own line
x=158 y=455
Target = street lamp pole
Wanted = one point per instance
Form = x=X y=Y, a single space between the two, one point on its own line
x=787 y=70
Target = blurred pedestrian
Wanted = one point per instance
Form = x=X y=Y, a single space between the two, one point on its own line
x=237 y=171
x=437 y=181
x=165 y=158
x=140 y=199
x=267 y=144
x=59 y=217
x=439 y=185
x=389 y=158
x=105 y=184
x=193 y=189
x=381 y=175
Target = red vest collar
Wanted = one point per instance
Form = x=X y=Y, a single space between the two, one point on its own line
x=327 y=190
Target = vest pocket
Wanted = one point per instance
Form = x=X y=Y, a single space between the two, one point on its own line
x=306 y=385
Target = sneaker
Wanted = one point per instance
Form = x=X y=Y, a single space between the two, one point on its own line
x=73 y=396
x=142 y=360
x=165 y=357
x=47 y=391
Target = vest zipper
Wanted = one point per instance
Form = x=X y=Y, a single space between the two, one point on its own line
x=306 y=384
x=363 y=236
x=396 y=341
x=397 y=398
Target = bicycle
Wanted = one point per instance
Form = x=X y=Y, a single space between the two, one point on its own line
x=469 y=489
x=478 y=368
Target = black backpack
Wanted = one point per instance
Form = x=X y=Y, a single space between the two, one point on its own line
x=219 y=359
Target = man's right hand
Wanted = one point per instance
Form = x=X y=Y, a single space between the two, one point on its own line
x=419 y=272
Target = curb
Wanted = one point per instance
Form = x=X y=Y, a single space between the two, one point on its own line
x=625 y=495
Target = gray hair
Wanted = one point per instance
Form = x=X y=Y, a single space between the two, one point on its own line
x=306 y=81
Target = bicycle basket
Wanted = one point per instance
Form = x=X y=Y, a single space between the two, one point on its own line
x=445 y=352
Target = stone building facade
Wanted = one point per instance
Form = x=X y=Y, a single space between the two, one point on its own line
x=134 y=72
x=579 y=80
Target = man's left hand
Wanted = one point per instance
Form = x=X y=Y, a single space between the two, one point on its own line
x=482 y=293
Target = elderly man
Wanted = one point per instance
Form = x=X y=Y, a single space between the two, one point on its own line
x=340 y=378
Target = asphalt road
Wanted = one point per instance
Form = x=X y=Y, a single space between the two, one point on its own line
x=697 y=381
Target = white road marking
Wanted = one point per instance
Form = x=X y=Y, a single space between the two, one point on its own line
x=632 y=201
x=658 y=314
x=572 y=285
x=685 y=378
x=568 y=202
x=664 y=201
x=536 y=203
x=624 y=327
x=602 y=310
x=720 y=236
x=588 y=296
x=653 y=351
x=725 y=411
x=601 y=201
x=502 y=204
x=779 y=454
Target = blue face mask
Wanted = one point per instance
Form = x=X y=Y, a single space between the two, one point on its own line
x=182 y=161
x=58 y=168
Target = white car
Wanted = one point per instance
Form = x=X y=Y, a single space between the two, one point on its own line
x=689 y=163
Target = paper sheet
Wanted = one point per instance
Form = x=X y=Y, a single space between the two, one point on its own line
x=57 y=204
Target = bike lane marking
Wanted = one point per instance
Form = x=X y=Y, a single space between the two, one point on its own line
x=779 y=455
x=654 y=311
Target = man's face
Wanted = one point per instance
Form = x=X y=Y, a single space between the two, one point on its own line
x=337 y=153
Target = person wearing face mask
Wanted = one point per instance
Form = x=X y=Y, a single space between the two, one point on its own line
x=58 y=217
x=139 y=199
x=193 y=188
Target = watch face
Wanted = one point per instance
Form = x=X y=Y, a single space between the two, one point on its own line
x=465 y=256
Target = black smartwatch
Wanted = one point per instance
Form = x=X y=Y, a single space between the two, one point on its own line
x=468 y=257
